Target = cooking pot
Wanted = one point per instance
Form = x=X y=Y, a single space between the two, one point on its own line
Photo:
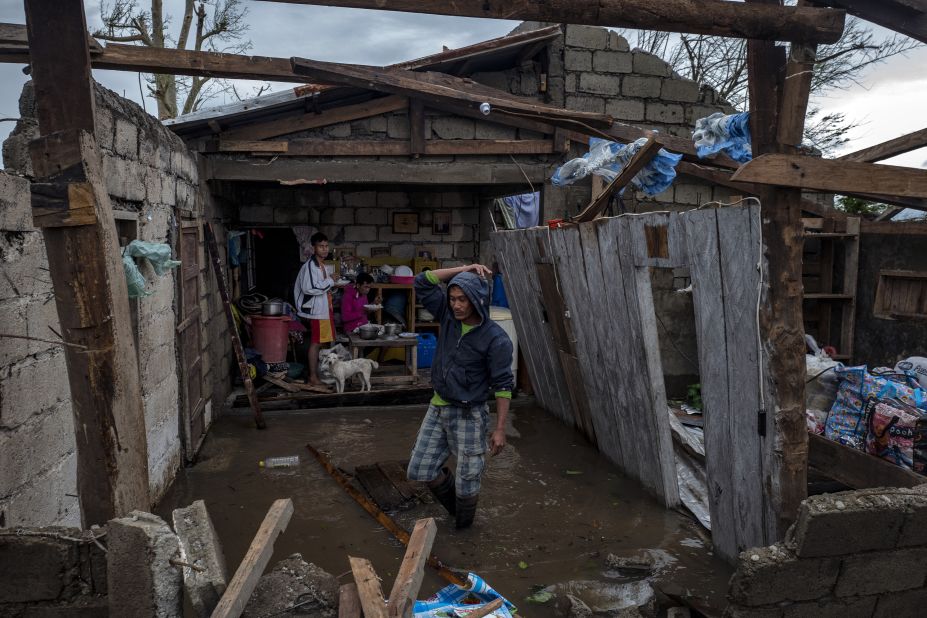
x=272 y=307
x=369 y=331
x=391 y=330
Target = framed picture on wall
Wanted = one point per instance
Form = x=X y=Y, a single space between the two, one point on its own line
x=379 y=251
x=442 y=222
x=426 y=252
x=405 y=223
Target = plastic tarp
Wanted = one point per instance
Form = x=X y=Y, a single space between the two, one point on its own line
x=724 y=133
x=607 y=159
x=453 y=601
x=157 y=254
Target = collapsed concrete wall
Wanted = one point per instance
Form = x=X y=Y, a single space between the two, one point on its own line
x=152 y=180
x=854 y=553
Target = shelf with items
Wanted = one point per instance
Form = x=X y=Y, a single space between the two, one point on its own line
x=380 y=288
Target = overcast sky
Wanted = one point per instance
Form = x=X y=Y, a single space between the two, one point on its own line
x=890 y=102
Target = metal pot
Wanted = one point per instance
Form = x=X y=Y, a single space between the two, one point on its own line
x=391 y=330
x=369 y=331
x=272 y=307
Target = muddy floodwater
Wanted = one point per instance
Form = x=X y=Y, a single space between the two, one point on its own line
x=551 y=508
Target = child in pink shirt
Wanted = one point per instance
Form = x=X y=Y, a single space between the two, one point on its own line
x=353 y=313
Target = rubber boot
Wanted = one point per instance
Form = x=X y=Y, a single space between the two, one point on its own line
x=444 y=491
x=466 y=510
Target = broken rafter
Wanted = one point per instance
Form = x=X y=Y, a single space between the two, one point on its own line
x=438 y=88
x=641 y=158
x=832 y=175
x=889 y=149
x=712 y=17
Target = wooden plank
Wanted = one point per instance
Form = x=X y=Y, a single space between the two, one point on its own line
x=236 y=596
x=437 y=88
x=313 y=120
x=368 y=588
x=857 y=469
x=716 y=18
x=381 y=490
x=908 y=228
x=243 y=370
x=349 y=605
x=640 y=159
x=227 y=145
x=86 y=271
x=395 y=472
x=889 y=149
x=412 y=570
x=314 y=147
x=850 y=276
x=832 y=175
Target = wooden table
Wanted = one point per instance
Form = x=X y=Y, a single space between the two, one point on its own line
x=356 y=344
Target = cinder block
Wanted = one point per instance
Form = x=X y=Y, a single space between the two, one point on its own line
x=141 y=579
x=908 y=604
x=35 y=446
x=337 y=216
x=488 y=130
x=256 y=214
x=33 y=387
x=570 y=82
x=199 y=546
x=641 y=86
x=16 y=157
x=49 y=499
x=288 y=215
x=914 y=529
x=616 y=42
x=680 y=90
x=528 y=84
x=668 y=113
x=24 y=269
x=371 y=216
x=360 y=233
x=829 y=607
x=450 y=127
x=612 y=62
x=577 y=60
x=589 y=37
x=35 y=568
x=692 y=194
x=847 y=523
x=625 y=109
x=585 y=103
x=360 y=199
x=392 y=199
x=397 y=126
x=126 y=140
x=405 y=250
x=884 y=571
x=596 y=83
x=648 y=64
x=773 y=574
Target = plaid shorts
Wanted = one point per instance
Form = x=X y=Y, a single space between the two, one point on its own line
x=453 y=430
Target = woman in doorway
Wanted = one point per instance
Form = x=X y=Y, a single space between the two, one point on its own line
x=313 y=290
x=353 y=312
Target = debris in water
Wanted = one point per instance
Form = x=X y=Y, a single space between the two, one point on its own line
x=574 y=472
x=523 y=565
x=541 y=596
x=631 y=565
x=586 y=598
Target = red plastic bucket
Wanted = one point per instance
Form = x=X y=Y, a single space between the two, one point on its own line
x=270 y=336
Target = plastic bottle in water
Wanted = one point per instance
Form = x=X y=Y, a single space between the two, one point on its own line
x=280 y=462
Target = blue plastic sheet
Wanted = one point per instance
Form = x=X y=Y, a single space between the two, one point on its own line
x=607 y=159
x=456 y=602
x=724 y=133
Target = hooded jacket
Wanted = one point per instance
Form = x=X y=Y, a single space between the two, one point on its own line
x=466 y=369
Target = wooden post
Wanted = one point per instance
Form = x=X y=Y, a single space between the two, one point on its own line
x=777 y=122
x=409 y=579
x=73 y=210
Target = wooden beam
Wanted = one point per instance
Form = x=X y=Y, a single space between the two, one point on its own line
x=417 y=126
x=857 y=469
x=313 y=147
x=831 y=175
x=86 y=271
x=412 y=570
x=227 y=145
x=311 y=120
x=368 y=588
x=236 y=596
x=641 y=158
x=905 y=16
x=709 y=17
x=889 y=149
x=437 y=88
x=348 y=601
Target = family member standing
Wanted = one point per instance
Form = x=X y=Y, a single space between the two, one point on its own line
x=313 y=292
x=473 y=360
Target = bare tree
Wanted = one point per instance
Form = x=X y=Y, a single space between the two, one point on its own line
x=722 y=64
x=215 y=25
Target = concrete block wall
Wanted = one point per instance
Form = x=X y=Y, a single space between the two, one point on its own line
x=150 y=174
x=854 y=553
x=363 y=218
x=38 y=483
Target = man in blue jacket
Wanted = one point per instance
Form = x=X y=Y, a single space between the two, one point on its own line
x=473 y=359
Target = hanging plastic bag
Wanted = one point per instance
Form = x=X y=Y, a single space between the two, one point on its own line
x=134 y=279
x=158 y=254
x=607 y=159
x=727 y=133
x=891 y=430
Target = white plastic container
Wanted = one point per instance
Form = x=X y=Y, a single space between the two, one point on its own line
x=503 y=317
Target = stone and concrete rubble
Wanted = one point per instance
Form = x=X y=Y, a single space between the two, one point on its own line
x=855 y=553
x=292 y=582
x=142 y=581
x=206 y=578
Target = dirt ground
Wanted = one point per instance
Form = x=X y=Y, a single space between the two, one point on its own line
x=551 y=508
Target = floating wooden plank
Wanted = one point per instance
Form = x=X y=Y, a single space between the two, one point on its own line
x=640 y=159
x=486 y=609
x=857 y=469
x=908 y=17
x=236 y=596
x=408 y=580
x=368 y=588
x=715 y=18
x=833 y=175
x=381 y=490
x=889 y=149
x=395 y=471
x=440 y=88
x=348 y=601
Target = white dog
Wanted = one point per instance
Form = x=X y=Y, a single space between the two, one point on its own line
x=341 y=370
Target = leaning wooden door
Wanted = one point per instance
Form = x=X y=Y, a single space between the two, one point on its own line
x=189 y=337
